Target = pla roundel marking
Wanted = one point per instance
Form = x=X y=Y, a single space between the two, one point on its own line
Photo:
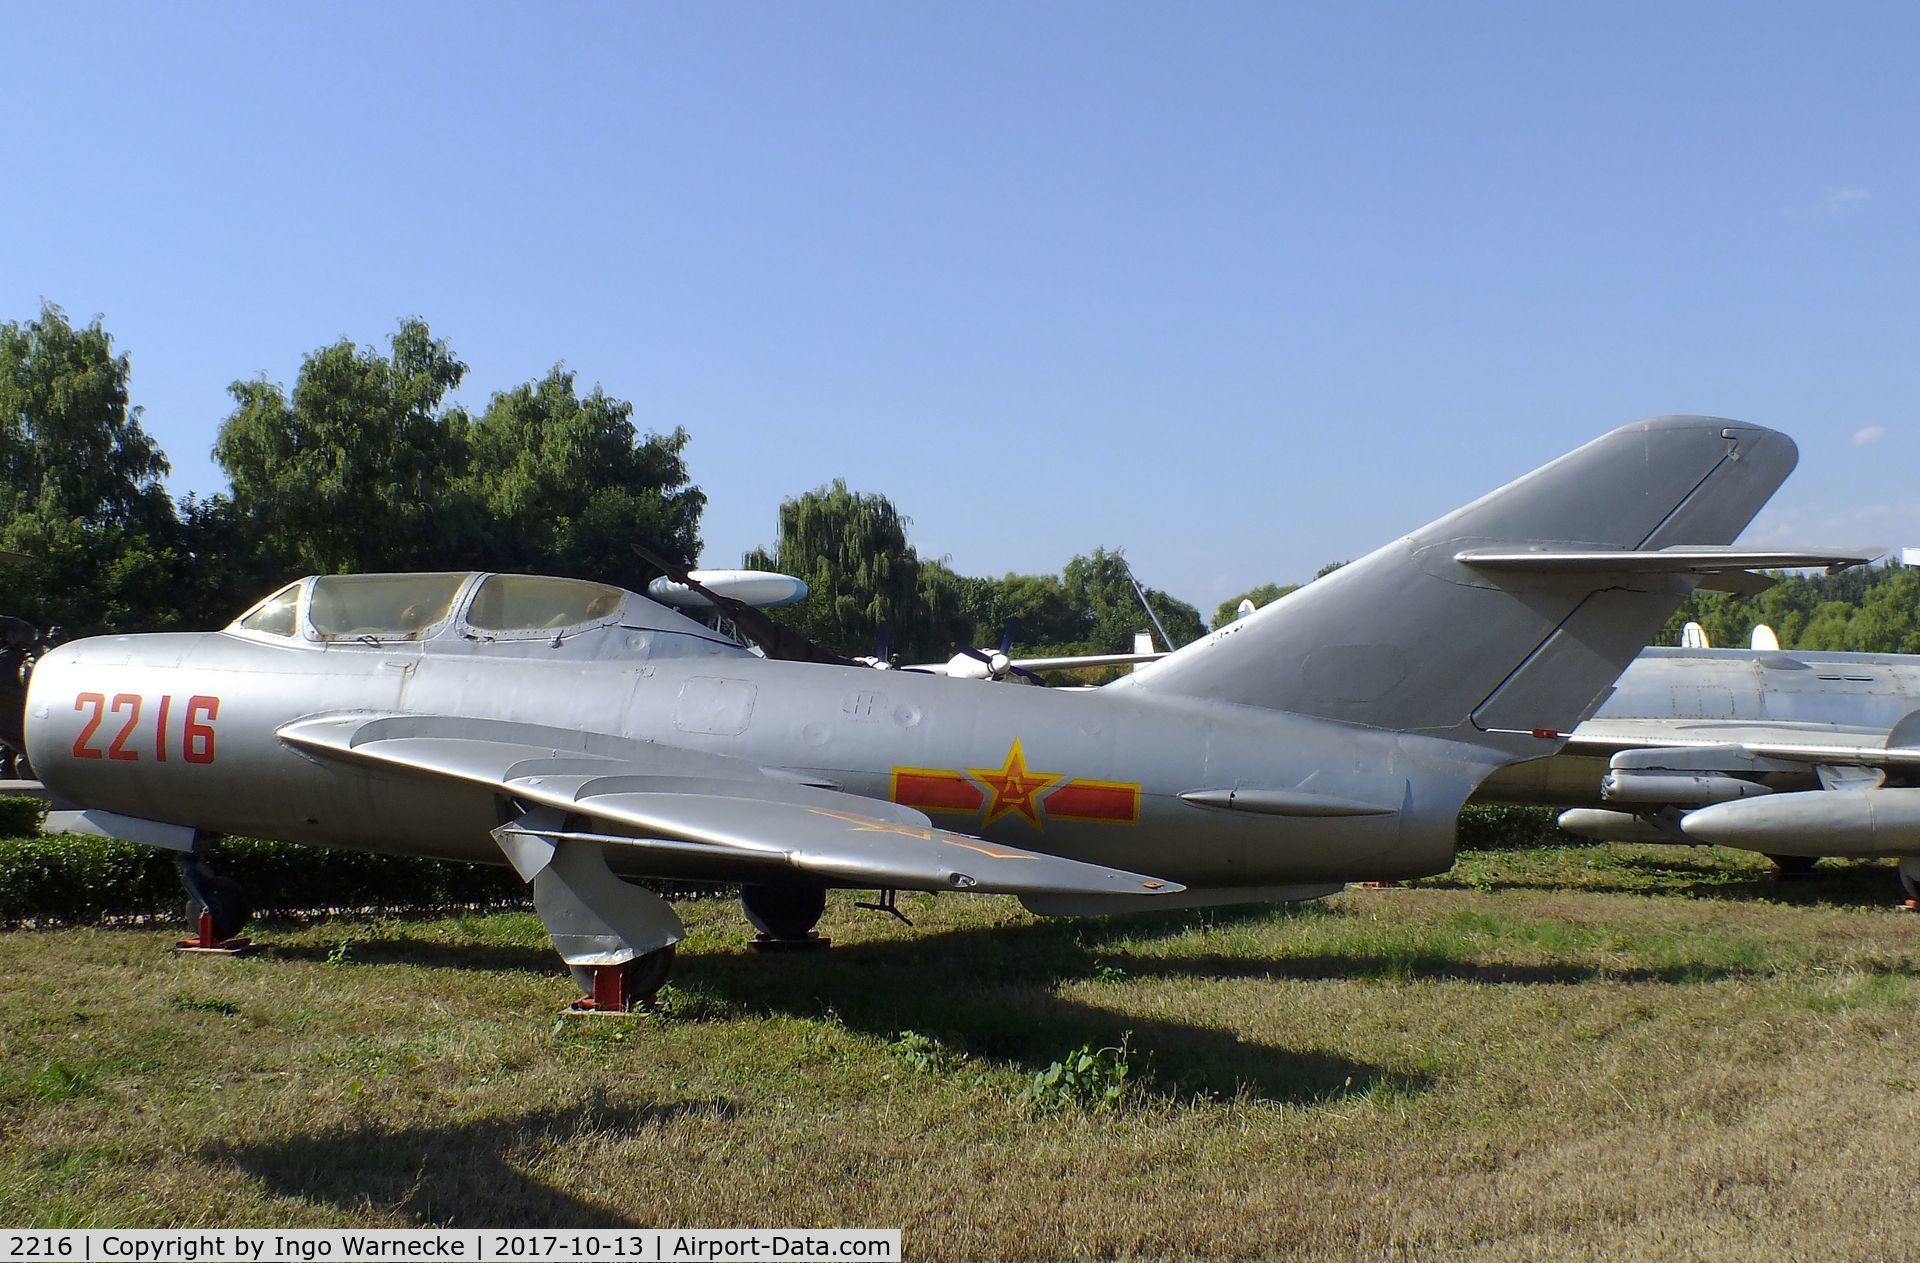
x=1013 y=788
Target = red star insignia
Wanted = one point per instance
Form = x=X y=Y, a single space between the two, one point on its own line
x=1014 y=787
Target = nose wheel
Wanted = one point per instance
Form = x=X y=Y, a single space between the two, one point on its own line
x=217 y=908
x=622 y=988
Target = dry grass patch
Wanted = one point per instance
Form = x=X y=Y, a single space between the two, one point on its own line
x=1570 y=1053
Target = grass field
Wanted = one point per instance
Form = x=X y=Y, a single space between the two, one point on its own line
x=1608 y=1052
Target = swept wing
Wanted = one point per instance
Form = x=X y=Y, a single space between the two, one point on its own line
x=682 y=808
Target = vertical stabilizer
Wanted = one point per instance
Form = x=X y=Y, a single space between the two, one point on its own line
x=1412 y=637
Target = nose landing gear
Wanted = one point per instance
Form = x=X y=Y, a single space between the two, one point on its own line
x=217 y=908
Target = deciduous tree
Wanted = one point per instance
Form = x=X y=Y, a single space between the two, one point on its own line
x=80 y=483
x=360 y=467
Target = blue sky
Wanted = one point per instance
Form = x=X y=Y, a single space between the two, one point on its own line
x=1243 y=288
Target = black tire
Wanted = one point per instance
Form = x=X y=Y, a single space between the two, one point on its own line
x=645 y=975
x=226 y=899
x=1794 y=865
x=787 y=910
x=1910 y=878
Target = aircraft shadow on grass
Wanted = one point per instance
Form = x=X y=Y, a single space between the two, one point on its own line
x=1834 y=883
x=986 y=993
x=463 y=1175
x=991 y=994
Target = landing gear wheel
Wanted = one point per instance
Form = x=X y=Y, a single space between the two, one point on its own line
x=786 y=912
x=1910 y=877
x=640 y=980
x=1790 y=866
x=226 y=900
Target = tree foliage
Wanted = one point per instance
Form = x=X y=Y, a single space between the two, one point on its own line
x=80 y=483
x=851 y=548
x=566 y=484
x=1035 y=607
x=1869 y=609
x=1101 y=587
x=356 y=469
x=861 y=574
x=366 y=467
x=1262 y=596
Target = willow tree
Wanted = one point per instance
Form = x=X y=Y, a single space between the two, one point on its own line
x=863 y=576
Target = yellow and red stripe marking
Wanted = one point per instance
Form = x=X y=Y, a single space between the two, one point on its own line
x=1013 y=789
x=1114 y=802
x=933 y=789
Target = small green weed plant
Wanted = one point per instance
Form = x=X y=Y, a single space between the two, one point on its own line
x=1086 y=1078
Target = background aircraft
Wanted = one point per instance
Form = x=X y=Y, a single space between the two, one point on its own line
x=1794 y=754
x=998 y=664
x=577 y=731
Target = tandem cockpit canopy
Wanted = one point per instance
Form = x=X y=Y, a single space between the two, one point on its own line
x=464 y=611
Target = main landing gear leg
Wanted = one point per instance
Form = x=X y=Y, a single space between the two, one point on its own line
x=617 y=938
x=217 y=907
x=1910 y=880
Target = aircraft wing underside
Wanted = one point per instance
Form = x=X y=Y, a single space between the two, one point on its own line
x=1805 y=743
x=685 y=806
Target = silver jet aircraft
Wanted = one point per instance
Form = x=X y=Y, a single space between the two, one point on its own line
x=1746 y=748
x=582 y=733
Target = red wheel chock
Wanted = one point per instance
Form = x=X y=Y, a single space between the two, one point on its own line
x=206 y=943
x=611 y=996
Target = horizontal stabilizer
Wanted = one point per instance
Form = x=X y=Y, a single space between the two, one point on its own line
x=675 y=812
x=1726 y=568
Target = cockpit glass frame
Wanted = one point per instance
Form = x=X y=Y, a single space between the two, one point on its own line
x=383 y=607
x=516 y=606
x=277 y=614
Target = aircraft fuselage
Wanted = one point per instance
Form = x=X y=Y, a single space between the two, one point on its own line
x=182 y=729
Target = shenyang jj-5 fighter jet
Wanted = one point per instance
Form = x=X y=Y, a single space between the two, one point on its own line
x=582 y=733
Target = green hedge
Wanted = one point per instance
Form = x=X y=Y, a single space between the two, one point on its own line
x=76 y=879
x=72 y=878
x=1490 y=828
x=20 y=816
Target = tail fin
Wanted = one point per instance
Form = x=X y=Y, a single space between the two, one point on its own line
x=1448 y=632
